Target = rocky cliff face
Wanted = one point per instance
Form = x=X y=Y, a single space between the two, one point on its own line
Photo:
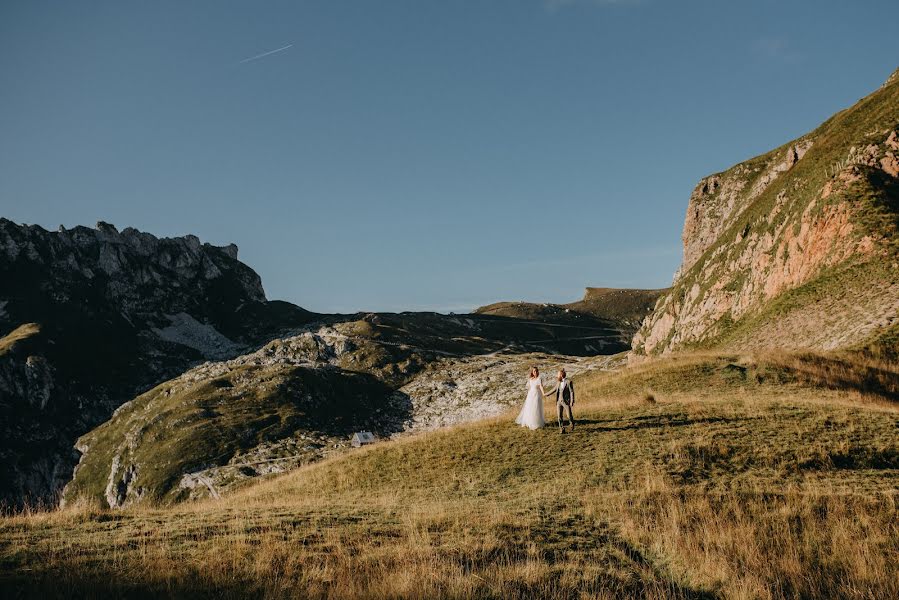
x=793 y=249
x=115 y=312
x=719 y=200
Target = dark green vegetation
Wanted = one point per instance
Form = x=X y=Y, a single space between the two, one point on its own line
x=737 y=481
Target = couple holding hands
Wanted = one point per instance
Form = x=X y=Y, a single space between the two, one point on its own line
x=531 y=415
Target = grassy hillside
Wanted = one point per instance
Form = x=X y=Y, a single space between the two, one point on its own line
x=749 y=476
x=300 y=398
x=625 y=307
x=460 y=335
x=290 y=411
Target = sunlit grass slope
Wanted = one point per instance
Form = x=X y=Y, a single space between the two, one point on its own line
x=701 y=477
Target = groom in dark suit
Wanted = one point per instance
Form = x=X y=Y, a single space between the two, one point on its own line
x=564 y=392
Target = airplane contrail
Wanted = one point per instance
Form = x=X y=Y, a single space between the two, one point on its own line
x=264 y=54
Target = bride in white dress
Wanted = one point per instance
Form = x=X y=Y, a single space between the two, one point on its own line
x=531 y=415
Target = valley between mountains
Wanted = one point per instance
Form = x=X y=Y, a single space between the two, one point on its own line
x=736 y=431
x=135 y=368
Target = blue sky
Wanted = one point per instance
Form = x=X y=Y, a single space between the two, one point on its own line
x=416 y=154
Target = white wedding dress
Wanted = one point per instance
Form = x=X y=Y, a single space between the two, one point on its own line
x=531 y=415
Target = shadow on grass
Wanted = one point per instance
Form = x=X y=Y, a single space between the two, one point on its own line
x=111 y=585
x=647 y=422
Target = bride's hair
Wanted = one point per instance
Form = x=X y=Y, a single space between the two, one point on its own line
x=535 y=372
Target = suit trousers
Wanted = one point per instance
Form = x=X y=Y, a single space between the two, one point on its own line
x=561 y=405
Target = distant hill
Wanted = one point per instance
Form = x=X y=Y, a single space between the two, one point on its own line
x=620 y=309
x=625 y=307
x=796 y=248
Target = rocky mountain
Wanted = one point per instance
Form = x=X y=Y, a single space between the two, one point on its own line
x=213 y=377
x=794 y=249
x=90 y=317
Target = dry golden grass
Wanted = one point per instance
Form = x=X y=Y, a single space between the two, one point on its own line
x=737 y=489
x=798 y=543
x=16 y=335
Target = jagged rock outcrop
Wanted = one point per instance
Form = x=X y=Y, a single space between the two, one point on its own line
x=795 y=248
x=116 y=312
